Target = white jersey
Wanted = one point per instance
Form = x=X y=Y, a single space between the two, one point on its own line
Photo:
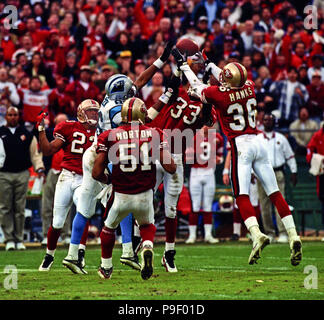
x=109 y=115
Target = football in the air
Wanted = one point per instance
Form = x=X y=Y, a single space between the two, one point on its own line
x=187 y=46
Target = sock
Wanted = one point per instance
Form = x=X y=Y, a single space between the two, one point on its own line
x=208 y=230
x=52 y=238
x=208 y=218
x=192 y=231
x=288 y=222
x=237 y=228
x=193 y=218
x=84 y=237
x=106 y=263
x=73 y=251
x=170 y=229
x=148 y=232
x=78 y=225
x=169 y=246
x=147 y=243
x=126 y=226
x=245 y=207
x=128 y=250
x=107 y=237
x=280 y=203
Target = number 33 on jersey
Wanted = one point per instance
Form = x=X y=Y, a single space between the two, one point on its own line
x=76 y=140
x=236 y=109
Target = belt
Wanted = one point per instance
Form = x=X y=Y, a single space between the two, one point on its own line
x=281 y=168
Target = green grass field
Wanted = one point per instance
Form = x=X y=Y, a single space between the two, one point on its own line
x=206 y=272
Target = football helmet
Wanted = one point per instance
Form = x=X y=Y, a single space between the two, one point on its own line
x=133 y=109
x=234 y=75
x=88 y=104
x=120 y=87
x=226 y=203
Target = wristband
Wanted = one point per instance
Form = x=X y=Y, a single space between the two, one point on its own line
x=158 y=63
x=41 y=128
x=225 y=171
x=164 y=98
x=152 y=113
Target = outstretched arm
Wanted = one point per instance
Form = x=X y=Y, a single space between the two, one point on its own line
x=146 y=75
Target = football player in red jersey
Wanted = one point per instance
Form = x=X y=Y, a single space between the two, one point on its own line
x=179 y=116
x=235 y=103
x=133 y=148
x=207 y=151
x=74 y=137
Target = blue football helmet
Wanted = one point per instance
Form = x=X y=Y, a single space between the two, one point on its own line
x=119 y=88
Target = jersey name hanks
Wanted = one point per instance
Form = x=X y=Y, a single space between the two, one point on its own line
x=241 y=94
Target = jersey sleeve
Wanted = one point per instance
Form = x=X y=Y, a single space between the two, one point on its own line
x=102 y=145
x=209 y=94
x=62 y=131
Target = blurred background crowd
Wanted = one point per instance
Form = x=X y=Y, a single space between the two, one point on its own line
x=59 y=53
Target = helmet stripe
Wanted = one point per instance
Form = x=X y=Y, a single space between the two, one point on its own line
x=130 y=109
x=241 y=73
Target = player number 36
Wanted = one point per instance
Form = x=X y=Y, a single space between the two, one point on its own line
x=237 y=111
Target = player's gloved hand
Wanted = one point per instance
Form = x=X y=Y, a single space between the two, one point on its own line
x=171 y=91
x=165 y=55
x=179 y=58
x=167 y=51
x=40 y=121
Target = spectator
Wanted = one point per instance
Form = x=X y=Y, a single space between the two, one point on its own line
x=317 y=61
x=247 y=36
x=157 y=83
x=37 y=68
x=119 y=23
x=280 y=153
x=302 y=130
x=258 y=40
x=316 y=147
x=302 y=75
x=71 y=70
x=49 y=187
x=148 y=20
x=34 y=100
x=137 y=43
x=290 y=96
x=316 y=97
x=21 y=152
x=8 y=89
x=208 y=8
x=82 y=89
x=264 y=74
x=299 y=57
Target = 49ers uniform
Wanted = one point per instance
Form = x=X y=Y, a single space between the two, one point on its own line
x=236 y=110
x=76 y=140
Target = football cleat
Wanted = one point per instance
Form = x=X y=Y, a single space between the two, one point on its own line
x=168 y=261
x=147 y=262
x=234 y=237
x=105 y=273
x=131 y=262
x=296 y=250
x=81 y=254
x=190 y=240
x=258 y=245
x=46 y=263
x=74 y=265
x=283 y=238
x=211 y=239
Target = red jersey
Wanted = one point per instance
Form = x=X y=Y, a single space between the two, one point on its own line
x=236 y=109
x=182 y=114
x=77 y=139
x=132 y=150
x=205 y=149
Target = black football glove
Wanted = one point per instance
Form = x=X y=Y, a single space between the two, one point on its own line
x=171 y=91
x=166 y=53
x=179 y=58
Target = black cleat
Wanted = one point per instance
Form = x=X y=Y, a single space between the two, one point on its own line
x=235 y=237
x=105 y=273
x=81 y=254
x=46 y=263
x=131 y=262
x=147 y=262
x=74 y=265
x=168 y=261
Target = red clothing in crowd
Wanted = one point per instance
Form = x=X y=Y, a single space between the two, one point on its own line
x=148 y=27
x=8 y=47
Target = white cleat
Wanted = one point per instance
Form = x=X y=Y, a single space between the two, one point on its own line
x=258 y=245
x=190 y=240
x=295 y=245
x=211 y=239
x=283 y=238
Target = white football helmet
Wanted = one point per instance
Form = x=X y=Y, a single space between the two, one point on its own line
x=120 y=87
